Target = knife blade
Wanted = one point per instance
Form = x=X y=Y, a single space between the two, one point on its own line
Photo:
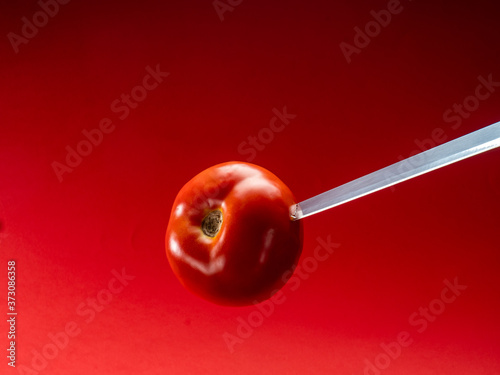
x=469 y=145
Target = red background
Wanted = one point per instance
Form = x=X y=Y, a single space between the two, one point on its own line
x=396 y=246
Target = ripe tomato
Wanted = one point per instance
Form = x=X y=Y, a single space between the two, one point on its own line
x=230 y=239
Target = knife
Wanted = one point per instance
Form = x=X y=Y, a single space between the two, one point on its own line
x=469 y=145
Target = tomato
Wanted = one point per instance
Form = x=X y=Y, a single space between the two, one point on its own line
x=230 y=239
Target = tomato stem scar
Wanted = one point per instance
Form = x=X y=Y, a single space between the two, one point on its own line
x=211 y=223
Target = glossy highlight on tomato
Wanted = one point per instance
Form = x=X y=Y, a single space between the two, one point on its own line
x=230 y=239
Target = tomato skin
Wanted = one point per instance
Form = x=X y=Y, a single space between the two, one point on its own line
x=247 y=260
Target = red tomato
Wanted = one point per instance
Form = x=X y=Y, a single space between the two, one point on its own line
x=230 y=239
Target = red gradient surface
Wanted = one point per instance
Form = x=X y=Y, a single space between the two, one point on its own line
x=390 y=254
